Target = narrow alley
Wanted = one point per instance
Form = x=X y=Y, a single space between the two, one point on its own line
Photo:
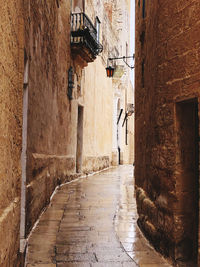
x=92 y=221
x=90 y=89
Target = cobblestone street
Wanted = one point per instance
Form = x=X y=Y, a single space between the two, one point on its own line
x=91 y=222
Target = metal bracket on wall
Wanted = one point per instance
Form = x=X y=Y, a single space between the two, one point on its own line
x=125 y=118
x=120 y=114
x=123 y=58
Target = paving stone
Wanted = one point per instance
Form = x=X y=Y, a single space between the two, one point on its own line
x=77 y=257
x=146 y=257
x=93 y=223
x=42 y=265
x=75 y=228
x=52 y=214
x=40 y=240
x=112 y=256
x=73 y=264
x=65 y=249
x=40 y=258
x=130 y=264
x=155 y=265
x=107 y=264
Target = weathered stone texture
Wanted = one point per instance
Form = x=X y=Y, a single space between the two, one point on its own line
x=11 y=65
x=47 y=44
x=167 y=78
x=91 y=164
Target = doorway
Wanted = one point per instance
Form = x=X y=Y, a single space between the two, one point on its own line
x=79 y=147
x=188 y=177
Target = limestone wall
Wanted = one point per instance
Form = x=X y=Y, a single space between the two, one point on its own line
x=123 y=91
x=166 y=125
x=11 y=86
x=50 y=138
x=98 y=91
x=97 y=136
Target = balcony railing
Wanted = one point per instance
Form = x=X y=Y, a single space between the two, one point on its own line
x=84 y=36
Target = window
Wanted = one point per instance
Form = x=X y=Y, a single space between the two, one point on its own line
x=98 y=28
x=143 y=8
x=142 y=37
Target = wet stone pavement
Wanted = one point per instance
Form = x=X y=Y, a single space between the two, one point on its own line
x=91 y=222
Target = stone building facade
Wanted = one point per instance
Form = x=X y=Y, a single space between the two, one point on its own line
x=167 y=96
x=123 y=94
x=57 y=105
x=11 y=76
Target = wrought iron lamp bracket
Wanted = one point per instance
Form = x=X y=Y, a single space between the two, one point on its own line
x=123 y=58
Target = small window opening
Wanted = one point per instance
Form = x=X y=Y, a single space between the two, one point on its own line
x=143 y=8
x=97 y=22
x=142 y=37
